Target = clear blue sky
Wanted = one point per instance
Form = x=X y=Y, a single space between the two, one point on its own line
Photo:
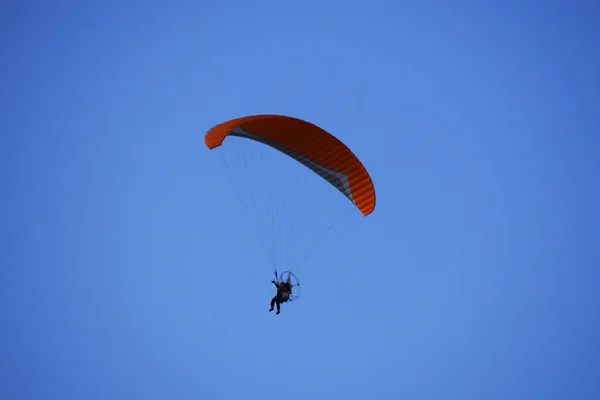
x=129 y=270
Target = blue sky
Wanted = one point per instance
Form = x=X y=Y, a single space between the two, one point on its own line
x=129 y=268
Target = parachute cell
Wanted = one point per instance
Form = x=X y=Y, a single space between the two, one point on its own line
x=308 y=144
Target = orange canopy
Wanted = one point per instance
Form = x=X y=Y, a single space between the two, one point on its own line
x=308 y=144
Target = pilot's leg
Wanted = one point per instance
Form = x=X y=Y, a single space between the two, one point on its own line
x=273 y=303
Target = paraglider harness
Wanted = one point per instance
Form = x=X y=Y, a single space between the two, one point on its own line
x=288 y=287
x=284 y=291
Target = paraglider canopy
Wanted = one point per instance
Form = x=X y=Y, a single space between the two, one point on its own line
x=308 y=144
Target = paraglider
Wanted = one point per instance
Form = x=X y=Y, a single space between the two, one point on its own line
x=288 y=289
x=314 y=148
